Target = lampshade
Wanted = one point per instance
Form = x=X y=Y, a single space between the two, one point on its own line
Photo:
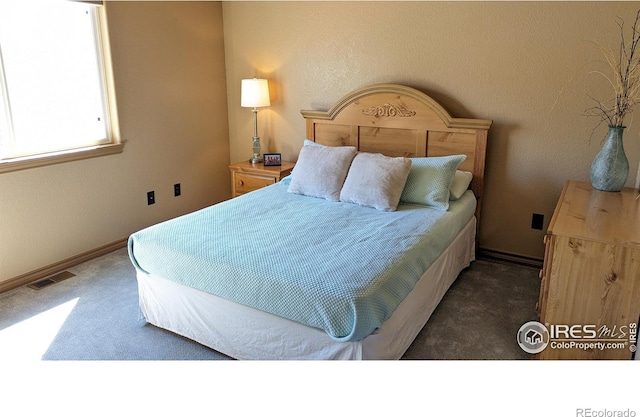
x=255 y=93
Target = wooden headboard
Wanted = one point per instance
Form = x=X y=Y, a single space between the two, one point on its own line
x=397 y=120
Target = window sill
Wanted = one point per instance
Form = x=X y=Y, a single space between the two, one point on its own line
x=34 y=161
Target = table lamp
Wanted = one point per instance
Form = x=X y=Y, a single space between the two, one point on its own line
x=255 y=93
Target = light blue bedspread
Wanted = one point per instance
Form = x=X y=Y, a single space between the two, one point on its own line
x=334 y=266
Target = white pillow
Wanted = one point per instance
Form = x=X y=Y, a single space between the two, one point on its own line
x=320 y=171
x=459 y=184
x=308 y=142
x=375 y=180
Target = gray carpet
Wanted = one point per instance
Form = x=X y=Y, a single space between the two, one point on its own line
x=95 y=316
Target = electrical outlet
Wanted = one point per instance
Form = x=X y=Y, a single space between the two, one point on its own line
x=151 y=197
x=537 y=221
x=176 y=189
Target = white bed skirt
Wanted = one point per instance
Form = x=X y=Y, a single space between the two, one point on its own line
x=246 y=333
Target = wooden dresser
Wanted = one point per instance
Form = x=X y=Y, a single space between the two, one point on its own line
x=590 y=289
x=246 y=177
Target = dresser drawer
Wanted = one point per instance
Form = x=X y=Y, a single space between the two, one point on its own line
x=245 y=183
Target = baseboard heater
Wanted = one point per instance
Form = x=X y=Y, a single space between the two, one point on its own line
x=54 y=279
x=509 y=257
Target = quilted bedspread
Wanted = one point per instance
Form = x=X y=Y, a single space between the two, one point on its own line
x=335 y=266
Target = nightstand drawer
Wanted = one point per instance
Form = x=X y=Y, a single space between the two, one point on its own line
x=245 y=183
x=247 y=177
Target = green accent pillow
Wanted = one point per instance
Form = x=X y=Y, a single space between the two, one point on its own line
x=459 y=184
x=429 y=180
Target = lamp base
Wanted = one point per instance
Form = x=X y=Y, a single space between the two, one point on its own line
x=257 y=158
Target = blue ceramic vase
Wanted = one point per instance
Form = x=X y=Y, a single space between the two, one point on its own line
x=610 y=168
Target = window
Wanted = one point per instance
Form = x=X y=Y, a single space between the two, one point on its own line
x=54 y=102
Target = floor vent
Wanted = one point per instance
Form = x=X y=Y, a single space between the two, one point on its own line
x=38 y=285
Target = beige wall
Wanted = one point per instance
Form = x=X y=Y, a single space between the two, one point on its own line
x=522 y=64
x=169 y=75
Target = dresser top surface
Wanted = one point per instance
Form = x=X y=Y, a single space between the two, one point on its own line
x=586 y=213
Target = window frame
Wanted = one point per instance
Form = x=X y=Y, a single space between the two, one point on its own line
x=114 y=143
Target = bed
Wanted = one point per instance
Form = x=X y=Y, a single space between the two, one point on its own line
x=340 y=260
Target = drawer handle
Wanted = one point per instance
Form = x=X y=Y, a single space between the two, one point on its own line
x=241 y=182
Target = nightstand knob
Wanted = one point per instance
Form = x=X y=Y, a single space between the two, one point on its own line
x=241 y=182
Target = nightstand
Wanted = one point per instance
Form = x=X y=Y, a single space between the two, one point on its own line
x=246 y=177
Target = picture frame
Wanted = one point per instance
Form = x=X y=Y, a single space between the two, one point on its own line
x=272 y=159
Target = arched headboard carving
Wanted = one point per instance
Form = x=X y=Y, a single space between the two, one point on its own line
x=397 y=120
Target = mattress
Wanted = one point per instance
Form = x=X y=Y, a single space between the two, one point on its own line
x=335 y=266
